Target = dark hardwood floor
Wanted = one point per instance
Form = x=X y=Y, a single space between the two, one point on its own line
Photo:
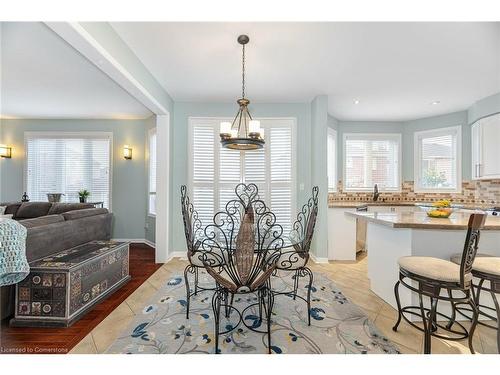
x=62 y=340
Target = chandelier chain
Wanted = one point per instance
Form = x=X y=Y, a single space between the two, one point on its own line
x=243 y=73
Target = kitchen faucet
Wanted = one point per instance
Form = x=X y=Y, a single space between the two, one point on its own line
x=375 y=193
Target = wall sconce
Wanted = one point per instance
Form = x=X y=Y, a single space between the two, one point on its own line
x=127 y=152
x=5 y=151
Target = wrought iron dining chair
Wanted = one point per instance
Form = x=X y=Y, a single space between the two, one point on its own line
x=295 y=257
x=433 y=277
x=240 y=254
x=193 y=231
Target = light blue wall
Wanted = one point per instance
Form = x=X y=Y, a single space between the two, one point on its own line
x=448 y=120
x=129 y=176
x=333 y=123
x=484 y=107
x=179 y=155
x=319 y=168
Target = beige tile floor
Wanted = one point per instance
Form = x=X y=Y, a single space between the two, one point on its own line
x=350 y=277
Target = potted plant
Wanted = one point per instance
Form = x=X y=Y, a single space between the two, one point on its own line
x=83 y=194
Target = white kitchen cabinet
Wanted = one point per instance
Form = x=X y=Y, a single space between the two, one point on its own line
x=485 y=135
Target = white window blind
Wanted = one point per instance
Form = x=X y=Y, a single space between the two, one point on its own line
x=371 y=159
x=152 y=172
x=67 y=163
x=215 y=171
x=332 y=160
x=437 y=165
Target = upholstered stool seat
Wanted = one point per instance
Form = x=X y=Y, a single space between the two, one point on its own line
x=456 y=258
x=484 y=263
x=432 y=268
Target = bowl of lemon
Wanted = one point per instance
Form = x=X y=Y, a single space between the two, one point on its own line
x=440 y=209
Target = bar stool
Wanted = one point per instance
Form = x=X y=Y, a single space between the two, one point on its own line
x=434 y=276
x=485 y=268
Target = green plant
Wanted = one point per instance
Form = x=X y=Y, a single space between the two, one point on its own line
x=83 y=193
x=433 y=178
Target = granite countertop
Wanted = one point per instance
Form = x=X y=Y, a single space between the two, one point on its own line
x=356 y=204
x=420 y=220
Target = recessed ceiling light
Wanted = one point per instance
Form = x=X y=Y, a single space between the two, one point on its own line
x=356 y=101
x=435 y=102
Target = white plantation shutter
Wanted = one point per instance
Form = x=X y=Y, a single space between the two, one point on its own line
x=203 y=171
x=67 y=163
x=215 y=171
x=436 y=163
x=372 y=159
x=152 y=172
x=280 y=150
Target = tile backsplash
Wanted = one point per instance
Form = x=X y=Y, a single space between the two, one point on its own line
x=473 y=192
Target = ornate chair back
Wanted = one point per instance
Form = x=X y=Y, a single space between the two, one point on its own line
x=303 y=228
x=476 y=222
x=192 y=224
x=244 y=242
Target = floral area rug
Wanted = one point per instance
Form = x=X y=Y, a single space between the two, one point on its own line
x=337 y=325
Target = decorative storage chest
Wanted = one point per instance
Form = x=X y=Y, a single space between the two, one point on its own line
x=62 y=287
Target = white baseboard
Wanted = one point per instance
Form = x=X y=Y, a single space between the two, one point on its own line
x=136 y=240
x=316 y=259
x=176 y=254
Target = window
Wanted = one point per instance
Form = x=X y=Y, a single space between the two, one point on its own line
x=371 y=159
x=152 y=172
x=67 y=163
x=215 y=171
x=437 y=160
x=332 y=160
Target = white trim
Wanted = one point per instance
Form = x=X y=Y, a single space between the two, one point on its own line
x=177 y=254
x=162 y=221
x=371 y=136
x=77 y=135
x=148 y=166
x=135 y=240
x=82 y=41
x=334 y=134
x=316 y=259
x=417 y=136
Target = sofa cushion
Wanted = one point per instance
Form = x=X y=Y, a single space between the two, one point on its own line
x=11 y=208
x=29 y=210
x=42 y=220
x=79 y=214
x=59 y=208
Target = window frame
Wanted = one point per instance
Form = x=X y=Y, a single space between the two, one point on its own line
x=372 y=136
x=215 y=122
x=417 y=158
x=76 y=135
x=150 y=133
x=333 y=133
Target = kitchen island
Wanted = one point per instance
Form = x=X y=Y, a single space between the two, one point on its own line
x=391 y=235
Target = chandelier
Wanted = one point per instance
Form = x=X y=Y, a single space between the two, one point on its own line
x=244 y=133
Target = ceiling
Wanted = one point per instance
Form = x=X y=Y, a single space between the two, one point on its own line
x=395 y=70
x=44 y=77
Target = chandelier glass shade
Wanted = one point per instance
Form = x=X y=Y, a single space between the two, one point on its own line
x=244 y=133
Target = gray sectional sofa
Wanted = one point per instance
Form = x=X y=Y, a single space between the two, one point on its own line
x=53 y=227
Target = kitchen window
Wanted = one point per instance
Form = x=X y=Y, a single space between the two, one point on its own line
x=332 y=160
x=371 y=159
x=215 y=171
x=437 y=160
x=67 y=163
x=152 y=172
